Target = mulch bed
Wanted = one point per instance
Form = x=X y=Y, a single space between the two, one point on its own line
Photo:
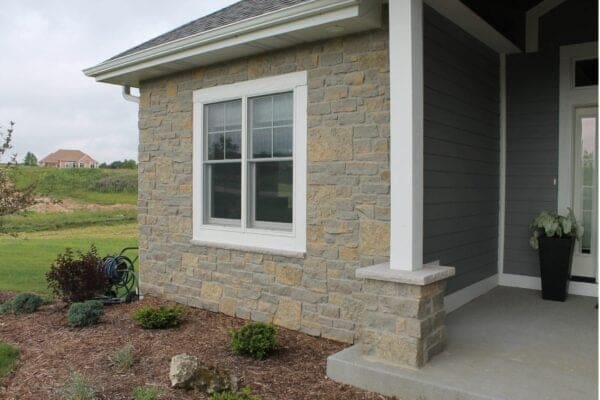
x=51 y=351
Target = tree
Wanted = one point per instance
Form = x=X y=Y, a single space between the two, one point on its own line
x=125 y=164
x=30 y=159
x=11 y=198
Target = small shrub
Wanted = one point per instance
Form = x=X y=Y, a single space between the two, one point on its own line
x=24 y=303
x=78 y=278
x=158 y=318
x=245 y=394
x=255 y=339
x=85 y=314
x=141 y=393
x=123 y=358
x=77 y=387
x=8 y=359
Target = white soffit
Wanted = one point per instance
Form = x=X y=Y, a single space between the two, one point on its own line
x=305 y=22
x=473 y=24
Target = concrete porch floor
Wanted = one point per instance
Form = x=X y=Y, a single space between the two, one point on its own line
x=508 y=344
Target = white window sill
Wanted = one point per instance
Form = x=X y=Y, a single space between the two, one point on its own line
x=251 y=249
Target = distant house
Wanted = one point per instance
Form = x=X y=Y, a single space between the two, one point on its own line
x=68 y=159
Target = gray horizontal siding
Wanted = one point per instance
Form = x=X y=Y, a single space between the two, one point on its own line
x=461 y=152
x=532 y=127
x=531 y=152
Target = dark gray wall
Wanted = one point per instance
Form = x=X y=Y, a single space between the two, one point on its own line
x=461 y=149
x=532 y=127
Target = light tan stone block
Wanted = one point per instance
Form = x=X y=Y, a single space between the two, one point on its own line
x=211 y=291
x=287 y=274
x=171 y=89
x=289 y=314
x=227 y=306
x=375 y=238
x=336 y=145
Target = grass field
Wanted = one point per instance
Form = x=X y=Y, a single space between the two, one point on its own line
x=36 y=222
x=31 y=240
x=25 y=259
x=96 y=186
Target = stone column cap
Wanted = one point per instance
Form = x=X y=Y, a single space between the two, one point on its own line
x=420 y=277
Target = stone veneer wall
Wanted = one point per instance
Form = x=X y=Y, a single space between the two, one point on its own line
x=348 y=192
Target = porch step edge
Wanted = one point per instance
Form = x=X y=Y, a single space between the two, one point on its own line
x=350 y=367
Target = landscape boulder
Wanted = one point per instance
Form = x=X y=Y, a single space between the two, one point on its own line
x=188 y=372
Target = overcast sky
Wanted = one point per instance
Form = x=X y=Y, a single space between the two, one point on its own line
x=45 y=44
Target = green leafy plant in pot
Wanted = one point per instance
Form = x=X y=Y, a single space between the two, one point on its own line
x=554 y=237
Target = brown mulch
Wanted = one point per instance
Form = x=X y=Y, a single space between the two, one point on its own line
x=51 y=351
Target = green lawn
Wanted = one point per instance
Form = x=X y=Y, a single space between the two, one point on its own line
x=8 y=359
x=36 y=222
x=25 y=259
x=97 y=186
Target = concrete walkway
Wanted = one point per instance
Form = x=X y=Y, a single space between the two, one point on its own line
x=506 y=345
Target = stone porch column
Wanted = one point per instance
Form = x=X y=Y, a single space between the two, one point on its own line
x=403 y=322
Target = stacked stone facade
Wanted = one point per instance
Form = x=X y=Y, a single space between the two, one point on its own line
x=402 y=323
x=348 y=192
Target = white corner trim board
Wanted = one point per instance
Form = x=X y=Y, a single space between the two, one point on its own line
x=463 y=296
x=532 y=29
x=406 y=138
x=535 y=283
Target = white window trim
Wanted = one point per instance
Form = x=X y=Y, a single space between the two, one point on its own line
x=288 y=243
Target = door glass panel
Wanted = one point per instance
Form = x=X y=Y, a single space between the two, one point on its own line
x=587 y=176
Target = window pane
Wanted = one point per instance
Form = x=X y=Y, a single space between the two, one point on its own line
x=261 y=143
x=586 y=72
x=215 y=117
x=233 y=115
x=273 y=191
x=586 y=240
x=224 y=190
x=262 y=111
x=233 y=145
x=271 y=125
x=588 y=177
x=215 y=146
x=282 y=141
x=223 y=129
x=282 y=109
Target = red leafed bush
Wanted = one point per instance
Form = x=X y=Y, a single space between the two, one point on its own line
x=78 y=277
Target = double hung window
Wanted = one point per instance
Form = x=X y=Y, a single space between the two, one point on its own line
x=250 y=163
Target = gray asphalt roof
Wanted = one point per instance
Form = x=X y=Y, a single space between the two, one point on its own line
x=234 y=13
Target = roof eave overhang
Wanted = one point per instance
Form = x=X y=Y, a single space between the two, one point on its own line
x=305 y=22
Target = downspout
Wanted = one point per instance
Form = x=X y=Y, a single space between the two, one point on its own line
x=128 y=96
x=134 y=99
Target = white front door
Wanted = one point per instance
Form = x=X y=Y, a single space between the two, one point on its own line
x=578 y=154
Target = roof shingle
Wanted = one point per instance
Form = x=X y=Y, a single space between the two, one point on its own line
x=237 y=12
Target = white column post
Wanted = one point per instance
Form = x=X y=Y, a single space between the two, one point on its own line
x=406 y=134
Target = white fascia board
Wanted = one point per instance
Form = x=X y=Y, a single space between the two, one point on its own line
x=295 y=18
x=473 y=24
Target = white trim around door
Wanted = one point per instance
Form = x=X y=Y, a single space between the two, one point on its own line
x=571 y=98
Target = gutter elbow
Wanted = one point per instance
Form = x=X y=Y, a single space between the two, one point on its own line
x=128 y=96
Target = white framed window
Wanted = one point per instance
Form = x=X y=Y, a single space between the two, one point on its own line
x=250 y=165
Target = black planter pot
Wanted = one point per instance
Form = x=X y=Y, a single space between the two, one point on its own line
x=556 y=258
